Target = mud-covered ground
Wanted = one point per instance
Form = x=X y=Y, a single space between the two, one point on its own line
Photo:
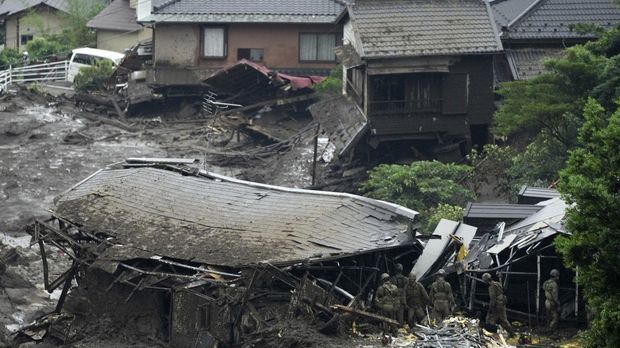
x=46 y=146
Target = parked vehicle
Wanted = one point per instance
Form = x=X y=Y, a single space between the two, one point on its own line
x=84 y=57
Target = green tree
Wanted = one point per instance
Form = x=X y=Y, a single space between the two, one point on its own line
x=551 y=103
x=591 y=184
x=421 y=186
x=443 y=211
x=333 y=82
x=79 y=12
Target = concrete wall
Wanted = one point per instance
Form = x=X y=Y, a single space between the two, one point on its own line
x=47 y=21
x=118 y=41
x=180 y=45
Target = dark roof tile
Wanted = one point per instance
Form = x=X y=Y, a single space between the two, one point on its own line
x=424 y=27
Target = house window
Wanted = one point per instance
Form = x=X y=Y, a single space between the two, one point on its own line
x=406 y=94
x=317 y=47
x=214 y=42
x=253 y=54
x=25 y=38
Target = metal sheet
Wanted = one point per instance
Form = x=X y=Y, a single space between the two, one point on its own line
x=434 y=247
x=503 y=244
x=466 y=233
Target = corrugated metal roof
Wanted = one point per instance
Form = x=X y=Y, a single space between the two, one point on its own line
x=526 y=63
x=499 y=211
x=116 y=16
x=399 y=28
x=261 y=11
x=505 y=11
x=538 y=192
x=223 y=221
x=553 y=19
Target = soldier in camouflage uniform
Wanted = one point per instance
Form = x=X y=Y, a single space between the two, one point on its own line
x=400 y=280
x=387 y=299
x=497 y=304
x=441 y=297
x=417 y=300
x=552 y=302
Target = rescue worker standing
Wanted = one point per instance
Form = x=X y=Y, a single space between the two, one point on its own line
x=441 y=297
x=388 y=298
x=417 y=300
x=497 y=304
x=552 y=302
x=400 y=280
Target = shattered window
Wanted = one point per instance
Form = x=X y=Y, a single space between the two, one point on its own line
x=214 y=42
x=317 y=47
x=253 y=54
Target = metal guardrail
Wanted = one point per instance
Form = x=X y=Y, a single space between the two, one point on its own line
x=56 y=71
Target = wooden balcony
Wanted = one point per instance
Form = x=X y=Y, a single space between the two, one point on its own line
x=405 y=107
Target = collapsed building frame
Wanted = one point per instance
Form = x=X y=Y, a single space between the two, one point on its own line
x=216 y=259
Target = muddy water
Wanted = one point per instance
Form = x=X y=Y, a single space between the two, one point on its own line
x=36 y=164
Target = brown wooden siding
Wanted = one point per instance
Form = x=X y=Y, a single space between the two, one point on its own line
x=479 y=109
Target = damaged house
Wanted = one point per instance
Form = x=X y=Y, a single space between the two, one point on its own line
x=199 y=258
x=534 y=30
x=422 y=70
x=193 y=39
x=519 y=251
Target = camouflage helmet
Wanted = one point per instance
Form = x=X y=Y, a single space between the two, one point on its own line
x=441 y=273
x=554 y=273
x=398 y=267
x=486 y=277
x=385 y=276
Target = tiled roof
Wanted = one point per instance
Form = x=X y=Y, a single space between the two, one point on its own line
x=554 y=19
x=526 y=63
x=224 y=221
x=10 y=7
x=265 y=11
x=116 y=16
x=505 y=11
x=393 y=28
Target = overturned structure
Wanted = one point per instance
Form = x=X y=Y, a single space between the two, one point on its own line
x=206 y=259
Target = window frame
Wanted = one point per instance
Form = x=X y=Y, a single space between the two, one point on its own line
x=21 y=39
x=250 y=56
x=202 y=41
x=317 y=47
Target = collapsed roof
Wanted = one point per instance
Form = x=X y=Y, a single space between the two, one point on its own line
x=164 y=210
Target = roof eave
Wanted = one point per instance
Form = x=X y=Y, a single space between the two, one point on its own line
x=211 y=18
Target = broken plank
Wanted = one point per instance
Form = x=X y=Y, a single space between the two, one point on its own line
x=271 y=102
x=365 y=314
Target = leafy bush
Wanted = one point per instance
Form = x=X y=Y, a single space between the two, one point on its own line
x=421 y=186
x=41 y=49
x=442 y=211
x=94 y=77
x=507 y=168
x=333 y=82
x=10 y=56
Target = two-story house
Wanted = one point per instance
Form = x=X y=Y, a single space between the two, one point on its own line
x=421 y=69
x=193 y=39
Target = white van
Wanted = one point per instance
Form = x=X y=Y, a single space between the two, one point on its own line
x=83 y=57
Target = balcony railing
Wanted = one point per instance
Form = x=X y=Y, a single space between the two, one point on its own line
x=421 y=106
